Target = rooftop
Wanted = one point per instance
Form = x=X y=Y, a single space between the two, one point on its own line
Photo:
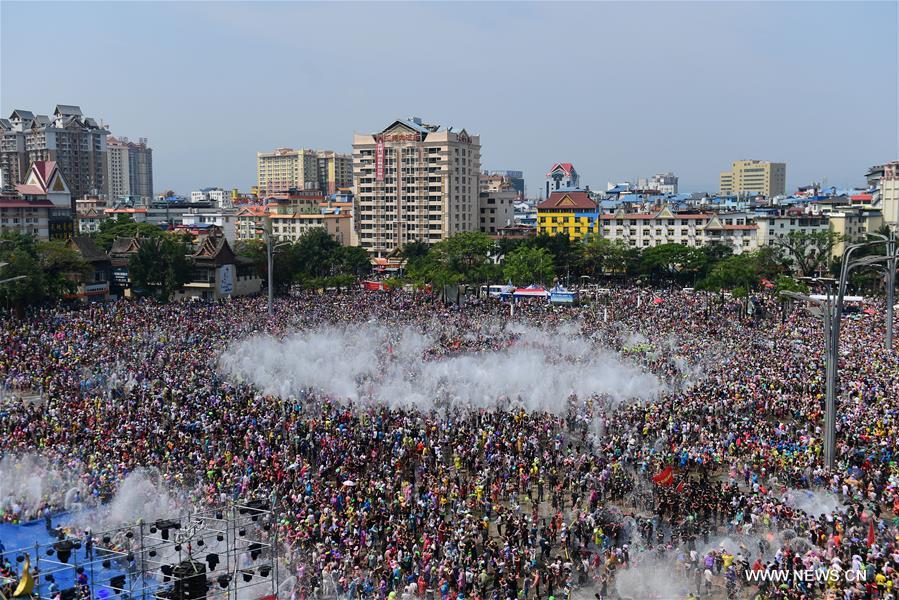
x=575 y=199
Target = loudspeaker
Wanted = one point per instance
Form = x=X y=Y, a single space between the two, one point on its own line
x=190 y=580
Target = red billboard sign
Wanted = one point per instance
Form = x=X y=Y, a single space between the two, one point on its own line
x=401 y=137
x=379 y=160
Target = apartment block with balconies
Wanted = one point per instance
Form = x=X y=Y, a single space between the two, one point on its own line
x=414 y=182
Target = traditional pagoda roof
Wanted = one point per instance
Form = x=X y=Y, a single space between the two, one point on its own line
x=43 y=177
x=125 y=245
x=88 y=250
x=214 y=248
x=68 y=109
x=573 y=200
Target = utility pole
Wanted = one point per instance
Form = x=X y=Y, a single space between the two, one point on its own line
x=270 y=248
x=889 y=266
x=831 y=310
x=271 y=266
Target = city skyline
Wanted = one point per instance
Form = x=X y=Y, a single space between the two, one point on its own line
x=619 y=95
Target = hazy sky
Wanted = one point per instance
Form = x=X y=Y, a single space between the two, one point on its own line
x=622 y=90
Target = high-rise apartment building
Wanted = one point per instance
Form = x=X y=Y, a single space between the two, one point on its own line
x=414 y=182
x=754 y=177
x=334 y=171
x=287 y=169
x=130 y=168
x=77 y=144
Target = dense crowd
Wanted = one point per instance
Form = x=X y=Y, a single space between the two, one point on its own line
x=717 y=479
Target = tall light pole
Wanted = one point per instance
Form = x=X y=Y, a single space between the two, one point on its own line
x=889 y=266
x=830 y=308
x=826 y=309
x=269 y=252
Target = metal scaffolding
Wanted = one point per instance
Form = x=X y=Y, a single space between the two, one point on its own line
x=226 y=554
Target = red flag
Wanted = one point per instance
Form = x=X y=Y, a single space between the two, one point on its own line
x=665 y=478
x=871 y=531
x=680 y=487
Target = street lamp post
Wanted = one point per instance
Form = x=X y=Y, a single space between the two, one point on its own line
x=831 y=310
x=888 y=261
x=826 y=308
x=269 y=252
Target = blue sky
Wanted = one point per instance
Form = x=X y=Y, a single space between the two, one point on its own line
x=622 y=90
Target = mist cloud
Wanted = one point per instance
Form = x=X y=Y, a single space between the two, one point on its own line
x=540 y=371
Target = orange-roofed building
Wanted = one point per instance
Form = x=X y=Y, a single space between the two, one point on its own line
x=572 y=213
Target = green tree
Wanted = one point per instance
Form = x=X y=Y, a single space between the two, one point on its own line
x=771 y=262
x=62 y=267
x=526 y=265
x=674 y=262
x=716 y=252
x=20 y=254
x=351 y=260
x=465 y=256
x=123 y=226
x=809 y=252
x=738 y=271
x=785 y=283
x=255 y=251
x=505 y=245
x=626 y=260
x=600 y=256
x=161 y=265
x=313 y=254
x=414 y=252
x=49 y=270
x=566 y=253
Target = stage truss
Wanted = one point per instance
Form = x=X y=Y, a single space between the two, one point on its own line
x=227 y=553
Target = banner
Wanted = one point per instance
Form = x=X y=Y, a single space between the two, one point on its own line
x=226 y=279
x=374 y=286
x=665 y=478
x=379 y=160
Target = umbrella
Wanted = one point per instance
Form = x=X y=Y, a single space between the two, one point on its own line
x=349 y=483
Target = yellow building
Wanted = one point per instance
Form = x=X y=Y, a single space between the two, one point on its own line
x=568 y=213
x=853 y=224
x=753 y=177
x=285 y=169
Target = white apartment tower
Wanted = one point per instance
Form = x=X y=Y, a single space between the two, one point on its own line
x=414 y=182
x=130 y=168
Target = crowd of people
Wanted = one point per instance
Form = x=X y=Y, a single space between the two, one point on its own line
x=692 y=494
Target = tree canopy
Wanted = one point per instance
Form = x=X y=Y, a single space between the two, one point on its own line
x=526 y=265
x=313 y=260
x=809 y=252
x=123 y=226
x=49 y=270
x=160 y=266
